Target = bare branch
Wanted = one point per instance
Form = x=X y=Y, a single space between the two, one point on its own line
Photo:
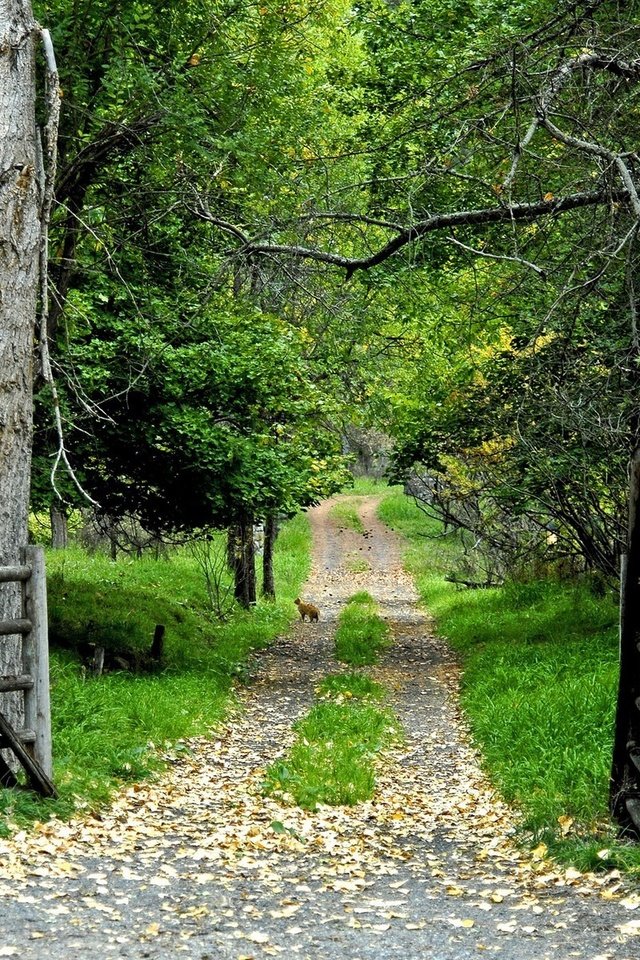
x=444 y=221
x=497 y=256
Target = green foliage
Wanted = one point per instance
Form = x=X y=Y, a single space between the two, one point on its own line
x=361 y=635
x=332 y=759
x=115 y=728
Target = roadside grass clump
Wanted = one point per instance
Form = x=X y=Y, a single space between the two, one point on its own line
x=354 y=685
x=345 y=514
x=114 y=728
x=333 y=758
x=361 y=635
x=540 y=668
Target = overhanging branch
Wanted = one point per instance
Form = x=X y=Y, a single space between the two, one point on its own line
x=444 y=221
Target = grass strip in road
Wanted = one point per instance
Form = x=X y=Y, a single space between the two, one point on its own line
x=361 y=633
x=345 y=514
x=333 y=758
x=540 y=665
x=350 y=685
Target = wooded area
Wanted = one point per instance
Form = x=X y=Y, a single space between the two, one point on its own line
x=274 y=222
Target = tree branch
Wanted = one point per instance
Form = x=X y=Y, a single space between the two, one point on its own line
x=444 y=221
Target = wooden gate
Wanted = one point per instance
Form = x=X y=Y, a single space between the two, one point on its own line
x=32 y=745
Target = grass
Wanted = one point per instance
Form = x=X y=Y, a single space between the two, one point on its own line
x=361 y=633
x=366 y=486
x=540 y=666
x=332 y=759
x=345 y=514
x=350 y=685
x=112 y=729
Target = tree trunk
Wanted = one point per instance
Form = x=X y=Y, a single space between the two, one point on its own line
x=625 y=772
x=59 y=526
x=241 y=558
x=20 y=198
x=270 y=534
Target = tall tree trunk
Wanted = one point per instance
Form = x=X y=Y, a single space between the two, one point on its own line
x=270 y=534
x=19 y=269
x=241 y=558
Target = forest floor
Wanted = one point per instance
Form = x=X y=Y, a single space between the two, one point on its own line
x=198 y=863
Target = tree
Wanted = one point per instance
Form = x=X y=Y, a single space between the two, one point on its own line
x=21 y=197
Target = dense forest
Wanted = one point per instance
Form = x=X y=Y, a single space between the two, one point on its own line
x=279 y=226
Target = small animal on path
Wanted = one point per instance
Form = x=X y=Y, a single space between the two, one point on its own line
x=307 y=610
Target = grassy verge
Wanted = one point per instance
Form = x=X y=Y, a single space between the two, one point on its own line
x=332 y=759
x=540 y=665
x=111 y=729
x=361 y=633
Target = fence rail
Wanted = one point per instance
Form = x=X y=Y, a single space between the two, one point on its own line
x=31 y=745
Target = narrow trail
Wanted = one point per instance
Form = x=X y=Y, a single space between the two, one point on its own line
x=199 y=864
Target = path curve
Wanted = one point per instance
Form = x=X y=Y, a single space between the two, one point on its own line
x=200 y=865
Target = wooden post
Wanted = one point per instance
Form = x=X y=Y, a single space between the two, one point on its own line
x=35 y=657
x=625 y=771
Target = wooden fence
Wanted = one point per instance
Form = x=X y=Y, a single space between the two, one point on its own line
x=31 y=745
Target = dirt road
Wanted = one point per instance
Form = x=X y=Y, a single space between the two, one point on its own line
x=200 y=865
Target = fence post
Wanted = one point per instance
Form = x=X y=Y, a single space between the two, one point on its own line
x=35 y=656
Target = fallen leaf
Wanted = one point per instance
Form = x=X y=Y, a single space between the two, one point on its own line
x=257 y=937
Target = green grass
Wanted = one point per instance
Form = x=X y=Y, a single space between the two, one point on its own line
x=540 y=665
x=332 y=760
x=350 y=685
x=366 y=486
x=111 y=729
x=345 y=514
x=361 y=633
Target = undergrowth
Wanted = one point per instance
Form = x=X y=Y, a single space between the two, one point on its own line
x=114 y=728
x=540 y=666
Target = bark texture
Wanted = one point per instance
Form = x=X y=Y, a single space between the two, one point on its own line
x=20 y=199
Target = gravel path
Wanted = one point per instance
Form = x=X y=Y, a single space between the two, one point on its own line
x=199 y=864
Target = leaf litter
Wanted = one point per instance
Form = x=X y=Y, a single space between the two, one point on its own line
x=200 y=857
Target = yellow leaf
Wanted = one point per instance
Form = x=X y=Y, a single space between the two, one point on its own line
x=540 y=852
x=565 y=822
